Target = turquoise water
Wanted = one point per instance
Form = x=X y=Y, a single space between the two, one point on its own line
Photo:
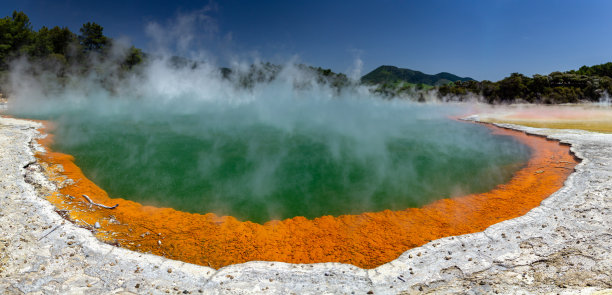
x=273 y=159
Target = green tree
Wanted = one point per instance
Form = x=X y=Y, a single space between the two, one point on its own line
x=134 y=57
x=50 y=48
x=15 y=34
x=41 y=45
x=596 y=70
x=92 y=37
x=61 y=39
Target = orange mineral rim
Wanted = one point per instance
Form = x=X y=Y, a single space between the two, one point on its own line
x=366 y=240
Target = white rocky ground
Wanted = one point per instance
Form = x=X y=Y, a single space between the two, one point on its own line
x=563 y=246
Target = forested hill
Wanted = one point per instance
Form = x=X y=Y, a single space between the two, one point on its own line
x=391 y=74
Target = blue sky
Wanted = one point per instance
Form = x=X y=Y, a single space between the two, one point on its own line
x=481 y=39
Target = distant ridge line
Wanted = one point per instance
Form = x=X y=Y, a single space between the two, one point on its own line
x=392 y=74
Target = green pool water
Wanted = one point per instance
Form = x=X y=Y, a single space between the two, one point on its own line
x=261 y=160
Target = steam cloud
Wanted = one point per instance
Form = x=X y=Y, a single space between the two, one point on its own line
x=259 y=143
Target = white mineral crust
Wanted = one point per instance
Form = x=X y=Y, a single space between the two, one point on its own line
x=562 y=246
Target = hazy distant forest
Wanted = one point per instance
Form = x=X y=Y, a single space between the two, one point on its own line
x=56 y=49
x=65 y=53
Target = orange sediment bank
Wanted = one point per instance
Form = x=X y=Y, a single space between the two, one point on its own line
x=366 y=240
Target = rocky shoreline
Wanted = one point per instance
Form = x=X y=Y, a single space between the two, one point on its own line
x=562 y=246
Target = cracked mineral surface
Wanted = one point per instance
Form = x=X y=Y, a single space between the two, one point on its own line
x=562 y=246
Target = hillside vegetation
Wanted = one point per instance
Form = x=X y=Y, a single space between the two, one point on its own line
x=65 y=55
x=587 y=84
x=61 y=55
x=61 y=52
x=391 y=81
x=391 y=74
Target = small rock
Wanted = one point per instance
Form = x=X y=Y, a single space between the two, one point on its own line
x=97 y=225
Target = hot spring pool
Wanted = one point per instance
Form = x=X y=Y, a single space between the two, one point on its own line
x=265 y=159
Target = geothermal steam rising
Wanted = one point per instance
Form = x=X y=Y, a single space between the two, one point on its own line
x=186 y=137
